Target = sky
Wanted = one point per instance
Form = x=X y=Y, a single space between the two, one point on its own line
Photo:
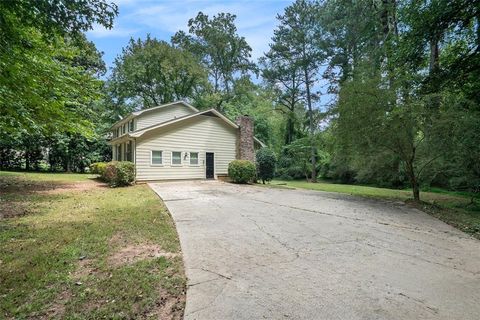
x=255 y=21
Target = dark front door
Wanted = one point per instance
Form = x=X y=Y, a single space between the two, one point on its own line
x=210 y=165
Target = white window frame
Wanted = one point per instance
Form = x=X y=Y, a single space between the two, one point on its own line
x=151 y=158
x=190 y=159
x=171 y=159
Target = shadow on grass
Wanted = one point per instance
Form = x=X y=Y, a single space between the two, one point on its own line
x=20 y=196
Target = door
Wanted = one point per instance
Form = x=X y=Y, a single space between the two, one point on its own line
x=210 y=161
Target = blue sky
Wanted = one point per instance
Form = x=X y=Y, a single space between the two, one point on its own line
x=256 y=21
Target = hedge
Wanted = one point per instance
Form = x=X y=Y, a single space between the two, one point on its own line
x=115 y=173
x=98 y=168
x=241 y=171
x=266 y=161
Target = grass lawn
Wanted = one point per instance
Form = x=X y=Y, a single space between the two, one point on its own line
x=73 y=248
x=450 y=207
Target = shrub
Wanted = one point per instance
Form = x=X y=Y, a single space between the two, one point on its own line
x=98 y=168
x=241 y=171
x=266 y=162
x=119 y=173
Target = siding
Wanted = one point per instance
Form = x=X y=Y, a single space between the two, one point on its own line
x=201 y=134
x=161 y=115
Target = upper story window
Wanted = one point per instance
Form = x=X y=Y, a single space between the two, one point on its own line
x=123 y=128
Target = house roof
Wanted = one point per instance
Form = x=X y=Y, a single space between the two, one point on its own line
x=140 y=132
x=135 y=114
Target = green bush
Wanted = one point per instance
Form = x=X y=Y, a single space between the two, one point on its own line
x=266 y=162
x=119 y=173
x=98 y=168
x=241 y=171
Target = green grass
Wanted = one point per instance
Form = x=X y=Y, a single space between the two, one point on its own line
x=50 y=177
x=57 y=258
x=453 y=208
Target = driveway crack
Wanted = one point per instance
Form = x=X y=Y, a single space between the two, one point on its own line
x=310 y=210
x=283 y=244
x=215 y=273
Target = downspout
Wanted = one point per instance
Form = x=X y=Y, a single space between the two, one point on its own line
x=135 y=156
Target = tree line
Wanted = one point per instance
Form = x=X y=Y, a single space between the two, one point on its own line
x=382 y=92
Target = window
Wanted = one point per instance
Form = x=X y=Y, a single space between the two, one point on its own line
x=124 y=128
x=176 y=157
x=157 y=157
x=193 y=158
x=128 y=153
x=130 y=126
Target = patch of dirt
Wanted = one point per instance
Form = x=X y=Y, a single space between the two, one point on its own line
x=75 y=187
x=133 y=253
x=57 y=309
x=10 y=209
x=84 y=268
x=168 y=307
x=19 y=186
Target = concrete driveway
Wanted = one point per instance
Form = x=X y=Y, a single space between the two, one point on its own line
x=261 y=253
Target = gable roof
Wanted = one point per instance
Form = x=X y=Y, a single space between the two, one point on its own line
x=140 y=132
x=135 y=114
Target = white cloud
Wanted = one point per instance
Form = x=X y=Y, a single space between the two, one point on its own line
x=99 y=31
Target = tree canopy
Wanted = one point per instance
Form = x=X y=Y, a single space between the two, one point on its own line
x=402 y=78
x=151 y=72
x=216 y=43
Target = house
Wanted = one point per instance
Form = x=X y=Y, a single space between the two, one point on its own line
x=177 y=141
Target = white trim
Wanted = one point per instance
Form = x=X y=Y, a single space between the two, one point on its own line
x=263 y=145
x=151 y=159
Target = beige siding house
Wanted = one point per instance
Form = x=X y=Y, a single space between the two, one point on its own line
x=176 y=141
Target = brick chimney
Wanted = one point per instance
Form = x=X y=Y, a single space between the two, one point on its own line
x=245 y=150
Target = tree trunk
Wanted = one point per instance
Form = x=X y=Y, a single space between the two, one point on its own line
x=310 y=116
x=289 y=135
x=413 y=181
x=416 y=190
x=434 y=55
x=27 y=161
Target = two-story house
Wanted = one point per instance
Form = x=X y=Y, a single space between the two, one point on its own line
x=176 y=141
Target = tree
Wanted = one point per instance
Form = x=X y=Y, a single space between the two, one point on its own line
x=300 y=34
x=151 y=72
x=283 y=74
x=41 y=86
x=43 y=90
x=216 y=43
x=265 y=161
x=369 y=124
x=51 y=17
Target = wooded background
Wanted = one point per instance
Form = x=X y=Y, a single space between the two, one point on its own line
x=382 y=92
